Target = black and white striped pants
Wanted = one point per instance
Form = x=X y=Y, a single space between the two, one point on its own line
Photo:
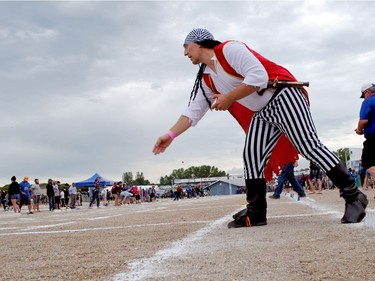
x=288 y=112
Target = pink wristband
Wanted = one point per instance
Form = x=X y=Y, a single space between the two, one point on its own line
x=171 y=134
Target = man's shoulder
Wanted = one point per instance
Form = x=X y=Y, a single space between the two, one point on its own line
x=371 y=99
x=231 y=46
x=368 y=103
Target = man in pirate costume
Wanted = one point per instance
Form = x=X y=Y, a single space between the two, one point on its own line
x=274 y=115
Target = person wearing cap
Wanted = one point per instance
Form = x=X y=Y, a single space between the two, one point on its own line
x=25 y=192
x=366 y=127
x=277 y=121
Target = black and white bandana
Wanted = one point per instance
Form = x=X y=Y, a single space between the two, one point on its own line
x=198 y=35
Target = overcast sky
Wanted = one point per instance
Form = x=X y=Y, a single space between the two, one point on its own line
x=89 y=86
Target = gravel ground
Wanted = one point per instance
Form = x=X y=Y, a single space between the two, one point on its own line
x=189 y=240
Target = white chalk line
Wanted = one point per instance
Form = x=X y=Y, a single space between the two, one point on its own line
x=32 y=227
x=102 y=218
x=26 y=230
x=303 y=215
x=142 y=268
x=101 y=228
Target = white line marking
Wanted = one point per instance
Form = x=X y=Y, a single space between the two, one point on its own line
x=101 y=218
x=143 y=268
x=46 y=226
x=303 y=215
x=100 y=228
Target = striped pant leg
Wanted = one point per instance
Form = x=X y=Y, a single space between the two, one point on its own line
x=287 y=113
x=261 y=139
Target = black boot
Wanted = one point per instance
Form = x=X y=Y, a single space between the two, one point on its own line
x=256 y=211
x=355 y=201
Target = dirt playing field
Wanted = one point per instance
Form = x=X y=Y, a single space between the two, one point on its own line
x=189 y=240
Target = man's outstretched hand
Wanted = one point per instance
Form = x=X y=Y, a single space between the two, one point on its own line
x=161 y=144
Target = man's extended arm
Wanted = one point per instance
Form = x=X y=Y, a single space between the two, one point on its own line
x=182 y=124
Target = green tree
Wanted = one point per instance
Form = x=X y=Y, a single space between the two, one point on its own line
x=140 y=179
x=203 y=171
x=127 y=177
x=343 y=154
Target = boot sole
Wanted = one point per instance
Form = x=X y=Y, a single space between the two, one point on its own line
x=360 y=218
x=362 y=198
x=233 y=224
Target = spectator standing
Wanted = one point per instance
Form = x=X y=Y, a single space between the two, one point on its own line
x=95 y=193
x=366 y=127
x=36 y=194
x=56 y=190
x=62 y=198
x=315 y=174
x=145 y=194
x=188 y=191
x=25 y=192
x=287 y=174
x=178 y=193
x=104 y=193
x=79 y=197
x=303 y=180
x=66 y=195
x=14 y=194
x=153 y=194
x=73 y=194
x=51 y=195
x=361 y=173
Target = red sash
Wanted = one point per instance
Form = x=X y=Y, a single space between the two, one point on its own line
x=284 y=151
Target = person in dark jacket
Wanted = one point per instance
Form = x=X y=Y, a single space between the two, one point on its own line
x=95 y=193
x=51 y=195
x=14 y=193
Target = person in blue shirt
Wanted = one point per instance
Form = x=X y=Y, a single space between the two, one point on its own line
x=287 y=174
x=25 y=193
x=188 y=191
x=366 y=127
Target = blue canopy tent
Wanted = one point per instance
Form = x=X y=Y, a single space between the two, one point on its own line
x=90 y=181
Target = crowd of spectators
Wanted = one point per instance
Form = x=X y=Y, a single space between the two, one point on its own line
x=32 y=195
x=60 y=197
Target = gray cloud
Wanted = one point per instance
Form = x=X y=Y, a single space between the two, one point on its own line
x=88 y=86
